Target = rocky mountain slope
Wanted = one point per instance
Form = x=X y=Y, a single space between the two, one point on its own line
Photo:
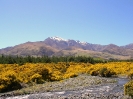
x=60 y=47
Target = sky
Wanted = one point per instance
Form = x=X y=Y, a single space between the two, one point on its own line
x=93 y=21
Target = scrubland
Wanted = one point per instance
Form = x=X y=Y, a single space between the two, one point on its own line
x=28 y=75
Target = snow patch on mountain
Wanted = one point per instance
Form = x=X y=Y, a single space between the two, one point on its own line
x=58 y=38
x=83 y=43
x=61 y=39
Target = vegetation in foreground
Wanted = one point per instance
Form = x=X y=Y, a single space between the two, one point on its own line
x=77 y=84
x=12 y=74
x=128 y=88
x=16 y=76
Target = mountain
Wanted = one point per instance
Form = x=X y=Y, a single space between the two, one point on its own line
x=61 y=44
x=56 y=46
x=29 y=48
x=129 y=46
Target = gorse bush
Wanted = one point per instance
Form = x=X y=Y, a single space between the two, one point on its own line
x=128 y=88
x=9 y=81
x=13 y=75
x=94 y=73
x=130 y=75
x=104 y=72
x=37 y=78
x=44 y=73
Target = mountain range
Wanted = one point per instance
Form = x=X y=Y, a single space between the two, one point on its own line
x=56 y=46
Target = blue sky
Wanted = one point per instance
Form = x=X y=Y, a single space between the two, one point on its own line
x=94 y=21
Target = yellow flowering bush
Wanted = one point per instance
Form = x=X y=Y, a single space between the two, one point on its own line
x=9 y=81
x=37 y=78
x=128 y=88
x=41 y=72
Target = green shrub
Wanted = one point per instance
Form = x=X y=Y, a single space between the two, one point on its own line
x=128 y=88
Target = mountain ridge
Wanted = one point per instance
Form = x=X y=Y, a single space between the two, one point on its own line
x=56 y=46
